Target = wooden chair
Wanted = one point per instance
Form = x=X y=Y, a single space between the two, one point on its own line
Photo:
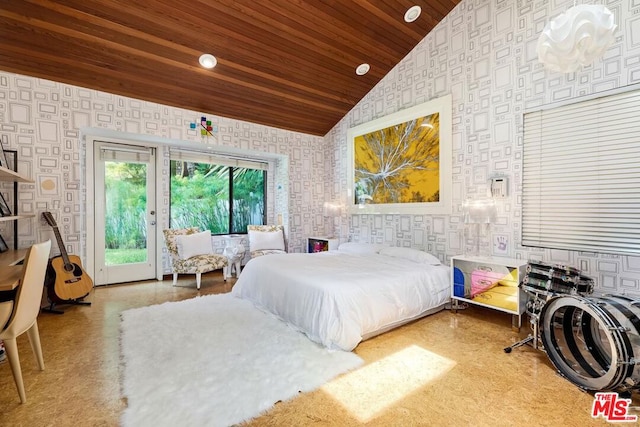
x=191 y=253
x=266 y=239
x=24 y=312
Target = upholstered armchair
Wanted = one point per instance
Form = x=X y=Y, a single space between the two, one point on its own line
x=266 y=239
x=192 y=253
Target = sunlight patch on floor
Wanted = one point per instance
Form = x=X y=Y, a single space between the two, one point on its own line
x=368 y=391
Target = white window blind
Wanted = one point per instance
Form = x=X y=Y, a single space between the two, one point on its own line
x=125 y=153
x=581 y=177
x=217 y=159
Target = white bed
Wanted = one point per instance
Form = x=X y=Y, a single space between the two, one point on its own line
x=339 y=299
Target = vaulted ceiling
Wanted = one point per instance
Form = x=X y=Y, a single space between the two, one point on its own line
x=283 y=63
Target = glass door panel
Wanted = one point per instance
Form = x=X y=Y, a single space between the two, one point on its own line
x=125 y=214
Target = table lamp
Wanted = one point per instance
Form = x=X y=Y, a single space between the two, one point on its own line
x=478 y=215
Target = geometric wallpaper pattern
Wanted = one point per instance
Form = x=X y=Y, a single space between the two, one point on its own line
x=43 y=120
x=482 y=53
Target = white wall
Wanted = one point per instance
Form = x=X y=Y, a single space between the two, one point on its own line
x=483 y=53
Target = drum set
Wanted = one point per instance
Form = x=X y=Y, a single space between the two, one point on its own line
x=594 y=342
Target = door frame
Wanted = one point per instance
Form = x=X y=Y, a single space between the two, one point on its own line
x=91 y=140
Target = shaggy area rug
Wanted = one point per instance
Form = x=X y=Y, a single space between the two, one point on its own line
x=216 y=361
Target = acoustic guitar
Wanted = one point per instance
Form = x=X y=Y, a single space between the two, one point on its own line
x=66 y=280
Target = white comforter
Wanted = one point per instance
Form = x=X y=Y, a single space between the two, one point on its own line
x=337 y=298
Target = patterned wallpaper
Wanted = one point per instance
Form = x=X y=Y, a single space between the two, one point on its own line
x=483 y=53
x=43 y=120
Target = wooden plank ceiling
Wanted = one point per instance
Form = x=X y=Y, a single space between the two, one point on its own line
x=283 y=63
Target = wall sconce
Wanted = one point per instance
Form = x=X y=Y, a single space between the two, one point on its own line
x=576 y=38
x=478 y=215
x=332 y=209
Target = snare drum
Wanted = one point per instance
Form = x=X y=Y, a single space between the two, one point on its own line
x=594 y=342
x=555 y=270
x=556 y=279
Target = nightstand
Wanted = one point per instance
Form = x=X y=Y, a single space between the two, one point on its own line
x=491 y=282
x=322 y=244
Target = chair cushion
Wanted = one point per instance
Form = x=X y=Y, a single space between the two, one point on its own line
x=261 y=240
x=190 y=245
x=199 y=264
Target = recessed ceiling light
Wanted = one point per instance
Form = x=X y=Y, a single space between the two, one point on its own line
x=207 y=60
x=412 y=13
x=362 y=69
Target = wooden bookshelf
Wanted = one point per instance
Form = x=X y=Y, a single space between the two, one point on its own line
x=9 y=175
x=13 y=255
x=15 y=217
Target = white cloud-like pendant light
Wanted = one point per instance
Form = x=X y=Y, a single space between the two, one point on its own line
x=576 y=38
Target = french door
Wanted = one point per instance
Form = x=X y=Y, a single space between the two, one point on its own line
x=125 y=213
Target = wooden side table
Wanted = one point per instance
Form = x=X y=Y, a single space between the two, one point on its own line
x=234 y=251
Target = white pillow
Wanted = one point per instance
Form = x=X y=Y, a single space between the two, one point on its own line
x=194 y=244
x=410 y=254
x=262 y=240
x=357 y=248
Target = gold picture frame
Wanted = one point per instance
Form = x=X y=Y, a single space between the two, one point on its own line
x=402 y=163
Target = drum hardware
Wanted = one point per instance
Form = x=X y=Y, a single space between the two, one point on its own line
x=543 y=282
x=629 y=362
x=533 y=307
x=619 y=328
x=531 y=338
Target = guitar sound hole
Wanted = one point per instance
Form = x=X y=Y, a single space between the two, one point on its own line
x=77 y=271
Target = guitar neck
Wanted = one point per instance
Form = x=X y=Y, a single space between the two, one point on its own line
x=63 y=251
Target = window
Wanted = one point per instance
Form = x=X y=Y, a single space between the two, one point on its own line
x=580 y=176
x=216 y=193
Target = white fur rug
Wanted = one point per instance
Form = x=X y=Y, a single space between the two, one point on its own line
x=215 y=361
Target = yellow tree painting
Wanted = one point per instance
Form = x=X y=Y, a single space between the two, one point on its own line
x=400 y=163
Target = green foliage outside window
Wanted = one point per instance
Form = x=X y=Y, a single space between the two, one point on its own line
x=201 y=197
x=125 y=212
x=126 y=203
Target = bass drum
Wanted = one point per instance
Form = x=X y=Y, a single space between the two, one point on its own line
x=594 y=342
